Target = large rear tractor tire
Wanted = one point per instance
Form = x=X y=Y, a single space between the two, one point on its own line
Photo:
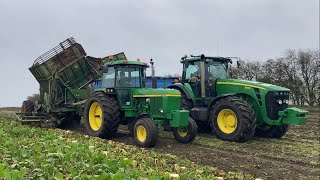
x=101 y=116
x=27 y=106
x=271 y=131
x=145 y=132
x=232 y=119
x=188 y=134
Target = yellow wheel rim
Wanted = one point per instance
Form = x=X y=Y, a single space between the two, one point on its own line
x=182 y=133
x=227 y=121
x=141 y=133
x=95 y=116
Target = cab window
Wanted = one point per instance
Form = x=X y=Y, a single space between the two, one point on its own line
x=129 y=77
x=108 y=78
x=193 y=70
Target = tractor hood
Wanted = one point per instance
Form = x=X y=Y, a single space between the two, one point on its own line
x=150 y=92
x=251 y=84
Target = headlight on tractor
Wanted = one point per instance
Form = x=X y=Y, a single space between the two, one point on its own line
x=276 y=101
x=284 y=101
x=279 y=101
x=161 y=110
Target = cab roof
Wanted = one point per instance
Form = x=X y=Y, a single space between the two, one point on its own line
x=124 y=62
x=121 y=59
x=203 y=57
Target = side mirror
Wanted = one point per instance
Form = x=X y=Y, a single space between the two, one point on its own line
x=238 y=64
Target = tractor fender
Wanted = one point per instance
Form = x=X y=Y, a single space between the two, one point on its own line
x=141 y=115
x=181 y=88
x=214 y=100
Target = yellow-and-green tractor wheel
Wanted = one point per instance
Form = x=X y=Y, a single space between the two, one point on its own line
x=145 y=132
x=101 y=115
x=187 y=134
x=95 y=116
x=233 y=119
x=227 y=121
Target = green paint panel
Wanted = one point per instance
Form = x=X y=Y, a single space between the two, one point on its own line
x=149 y=92
x=293 y=116
x=180 y=118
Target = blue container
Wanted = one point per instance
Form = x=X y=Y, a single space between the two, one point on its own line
x=160 y=81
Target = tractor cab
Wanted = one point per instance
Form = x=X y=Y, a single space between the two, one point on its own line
x=201 y=73
x=121 y=77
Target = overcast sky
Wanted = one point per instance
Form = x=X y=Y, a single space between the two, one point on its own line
x=163 y=30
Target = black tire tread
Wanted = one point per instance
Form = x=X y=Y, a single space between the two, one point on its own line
x=192 y=132
x=185 y=102
x=27 y=106
x=248 y=124
x=272 y=131
x=110 y=115
x=152 y=132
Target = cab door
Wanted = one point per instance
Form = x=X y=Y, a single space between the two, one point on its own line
x=193 y=77
x=127 y=78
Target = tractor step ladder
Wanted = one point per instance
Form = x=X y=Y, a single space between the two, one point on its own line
x=30 y=117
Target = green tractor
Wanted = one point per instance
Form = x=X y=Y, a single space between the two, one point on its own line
x=120 y=97
x=235 y=110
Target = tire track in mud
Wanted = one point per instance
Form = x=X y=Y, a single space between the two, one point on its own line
x=228 y=160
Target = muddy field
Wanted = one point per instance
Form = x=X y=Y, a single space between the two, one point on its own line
x=295 y=156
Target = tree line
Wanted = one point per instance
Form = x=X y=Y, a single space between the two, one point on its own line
x=298 y=70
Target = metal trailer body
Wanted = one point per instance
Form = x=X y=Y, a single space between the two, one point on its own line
x=63 y=74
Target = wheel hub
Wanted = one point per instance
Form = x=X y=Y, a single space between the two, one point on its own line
x=183 y=132
x=95 y=116
x=141 y=134
x=227 y=121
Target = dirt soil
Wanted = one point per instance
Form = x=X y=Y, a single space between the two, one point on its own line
x=294 y=156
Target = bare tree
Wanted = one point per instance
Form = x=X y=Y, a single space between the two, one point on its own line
x=296 y=70
x=176 y=75
x=309 y=64
x=34 y=98
x=248 y=70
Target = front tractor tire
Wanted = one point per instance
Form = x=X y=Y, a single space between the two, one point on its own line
x=188 y=134
x=101 y=116
x=145 y=132
x=232 y=119
x=271 y=131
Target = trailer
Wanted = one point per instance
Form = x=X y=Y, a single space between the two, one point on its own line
x=65 y=74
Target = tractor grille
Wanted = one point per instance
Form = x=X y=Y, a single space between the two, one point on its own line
x=273 y=107
x=155 y=104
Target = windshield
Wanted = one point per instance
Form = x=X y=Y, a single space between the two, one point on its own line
x=216 y=70
x=130 y=76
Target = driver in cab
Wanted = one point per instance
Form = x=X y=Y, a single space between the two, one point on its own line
x=123 y=80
